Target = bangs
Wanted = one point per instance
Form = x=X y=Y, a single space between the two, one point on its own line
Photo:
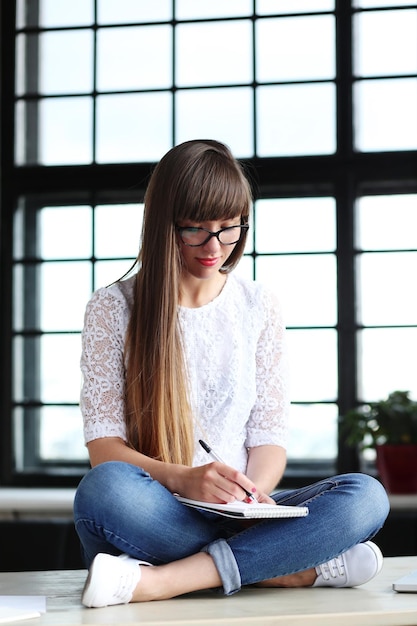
x=214 y=190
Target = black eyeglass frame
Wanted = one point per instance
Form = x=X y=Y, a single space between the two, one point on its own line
x=243 y=228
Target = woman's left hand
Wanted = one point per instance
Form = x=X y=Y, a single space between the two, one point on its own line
x=263 y=498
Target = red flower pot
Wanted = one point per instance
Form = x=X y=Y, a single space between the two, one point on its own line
x=397 y=467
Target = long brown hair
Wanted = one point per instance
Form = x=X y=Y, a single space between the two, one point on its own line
x=201 y=181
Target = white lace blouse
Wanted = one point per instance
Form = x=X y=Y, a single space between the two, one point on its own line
x=236 y=359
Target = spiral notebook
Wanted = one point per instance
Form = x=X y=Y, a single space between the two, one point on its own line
x=248 y=511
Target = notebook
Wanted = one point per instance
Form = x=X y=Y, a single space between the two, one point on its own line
x=248 y=511
x=407 y=583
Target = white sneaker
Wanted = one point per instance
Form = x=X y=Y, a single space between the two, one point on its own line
x=111 y=580
x=352 y=568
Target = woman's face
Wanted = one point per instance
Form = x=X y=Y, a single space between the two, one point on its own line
x=204 y=261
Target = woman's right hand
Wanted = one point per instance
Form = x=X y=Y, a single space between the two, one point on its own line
x=214 y=482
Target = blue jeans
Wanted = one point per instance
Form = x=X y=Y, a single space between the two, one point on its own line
x=119 y=508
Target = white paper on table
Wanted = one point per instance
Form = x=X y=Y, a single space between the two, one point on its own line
x=14 y=608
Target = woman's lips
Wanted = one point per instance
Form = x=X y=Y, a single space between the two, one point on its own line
x=207 y=262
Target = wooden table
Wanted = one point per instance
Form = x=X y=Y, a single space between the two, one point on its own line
x=373 y=603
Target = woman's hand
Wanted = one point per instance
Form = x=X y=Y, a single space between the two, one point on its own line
x=265 y=499
x=215 y=482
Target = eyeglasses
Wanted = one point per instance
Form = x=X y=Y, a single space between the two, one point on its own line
x=195 y=236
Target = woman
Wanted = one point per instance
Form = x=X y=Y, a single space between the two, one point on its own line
x=184 y=350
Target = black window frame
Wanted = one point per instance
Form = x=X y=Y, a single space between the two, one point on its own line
x=344 y=175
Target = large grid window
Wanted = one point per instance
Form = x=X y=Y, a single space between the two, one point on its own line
x=110 y=85
x=318 y=97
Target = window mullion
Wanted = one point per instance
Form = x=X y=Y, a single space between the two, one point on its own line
x=344 y=80
x=346 y=298
x=31 y=115
x=7 y=203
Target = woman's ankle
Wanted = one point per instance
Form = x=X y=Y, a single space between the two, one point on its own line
x=148 y=586
x=305 y=578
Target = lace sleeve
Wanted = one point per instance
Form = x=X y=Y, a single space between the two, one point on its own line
x=268 y=422
x=102 y=365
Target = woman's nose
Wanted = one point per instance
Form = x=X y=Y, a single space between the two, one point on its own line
x=213 y=244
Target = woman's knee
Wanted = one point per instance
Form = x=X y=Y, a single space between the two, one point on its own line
x=379 y=497
x=106 y=485
x=371 y=504
x=371 y=489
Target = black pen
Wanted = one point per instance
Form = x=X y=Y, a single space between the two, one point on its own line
x=216 y=457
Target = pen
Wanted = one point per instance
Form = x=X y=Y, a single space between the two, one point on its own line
x=216 y=457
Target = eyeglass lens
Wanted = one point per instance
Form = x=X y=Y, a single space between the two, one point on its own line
x=194 y=236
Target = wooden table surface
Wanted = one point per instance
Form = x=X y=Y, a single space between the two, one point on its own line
x=372 y=604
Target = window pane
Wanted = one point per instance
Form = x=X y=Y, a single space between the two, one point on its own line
x=60 y=368
x=19 y=240
x=387 y=222
x=21 y=134
x=107 y=272
x=313 y=431
x=66 y=62
x=23 y=75
x=64 y=290
x=295 y=225
x=134 y=127
x=20 y=65
x=306 y=285
x=20 y=13
x=295 y=120
x=65 y=13
x=23 y=377
x=65 y=232
x=65 y=131
x=293 y=6
x=198 y=9
x=313 y=363
x=223 y=114
x=389 y=105
x=386 y=294
x=130 y=11
x=279 y=56
x=143 y=59
x=387 y=362
x=18 y=298
x=117 y=230
x=365 y=4
x=37 y=73
x=61 y=435
x=199 y=62
x=373 y=56
x=245 y=268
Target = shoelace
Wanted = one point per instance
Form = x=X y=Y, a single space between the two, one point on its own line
x=332 y=569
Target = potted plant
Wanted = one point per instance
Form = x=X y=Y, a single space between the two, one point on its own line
x=390 y=427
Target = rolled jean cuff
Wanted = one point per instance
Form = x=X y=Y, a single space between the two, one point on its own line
x=226 y=565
